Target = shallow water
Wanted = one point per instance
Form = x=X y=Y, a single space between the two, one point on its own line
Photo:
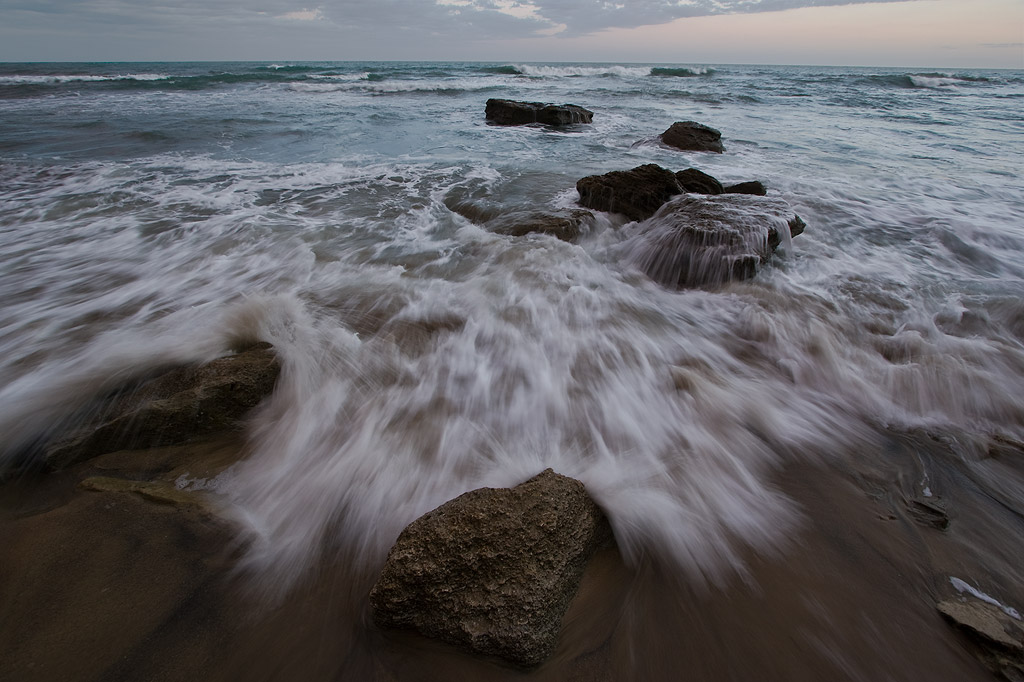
x=154 y=213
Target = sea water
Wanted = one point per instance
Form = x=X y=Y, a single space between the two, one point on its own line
x=164 y=212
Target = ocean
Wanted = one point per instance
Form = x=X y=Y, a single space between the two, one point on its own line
x=154 y=213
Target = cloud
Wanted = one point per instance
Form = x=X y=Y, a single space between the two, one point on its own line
x=475 y=19
x=303 y=15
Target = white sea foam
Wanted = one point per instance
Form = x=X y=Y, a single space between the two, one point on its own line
x=72 y=78
x=964 y=587
x=539 y=71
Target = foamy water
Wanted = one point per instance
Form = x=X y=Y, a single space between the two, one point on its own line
x=425 y=356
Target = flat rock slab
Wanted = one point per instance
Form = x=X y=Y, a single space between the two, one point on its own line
x=691 y=136
x=494 y=570
x=510 y=113
x=696 y=240
x=998 y=637
x=175 y=407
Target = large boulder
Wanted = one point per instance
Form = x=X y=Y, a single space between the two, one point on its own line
x=751 y=187
x=175 y=407
x=493 y=571
x=693 y=136
x=709 y=240
x=510 y=112
x=636 y=193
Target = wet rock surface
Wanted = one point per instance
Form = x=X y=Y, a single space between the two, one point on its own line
x=693 y=136
x=511 y=112
x=637 y=193
x=699 y=182
x=997 y=638
x=709 y=240
x=175 y=407
x=494 y=570
x=755 y=187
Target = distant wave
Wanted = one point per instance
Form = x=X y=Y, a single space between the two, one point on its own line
x=506 y=70
x=534 y=71
x=56 y=79
x=926 y=80
x=681 y=72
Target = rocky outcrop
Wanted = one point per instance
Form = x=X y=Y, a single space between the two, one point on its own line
x=698 y=182
x=709 y=240
x=493 y=571
x=510 y=112
x=693 y=136
x=175 y=407
x=636 y=193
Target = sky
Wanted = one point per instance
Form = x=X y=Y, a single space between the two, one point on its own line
x=937 y=33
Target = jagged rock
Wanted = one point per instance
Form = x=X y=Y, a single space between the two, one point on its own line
x=510 y=112
x=493 y=571
x=693 y=136
x=175 y=407
x=698 y=182
x=752 y=187
x=708 y=240
x=636 y=193
x=998 y=638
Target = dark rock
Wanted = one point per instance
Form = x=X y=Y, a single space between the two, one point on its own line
x=698 y=182
x=510 y=112
x=494 y=570
x=693 y=136
x=175 y=407
x=636 y=193
x=928 y=512
x=752 y=187
x=709 y=240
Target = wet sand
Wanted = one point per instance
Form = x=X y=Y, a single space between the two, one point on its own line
x=107 y=583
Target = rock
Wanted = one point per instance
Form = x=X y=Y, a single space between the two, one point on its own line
x=928 y=512
x=698 y=182
x=154 y=491
x=998 y=639
x=752 y=187
x=494 y=570
x=636 y=193
x=693 y=136
x=509 y=112
x=709 y=240
x=565 y=225
x=175 y=407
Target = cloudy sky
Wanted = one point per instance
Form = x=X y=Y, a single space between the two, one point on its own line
x=939 y=33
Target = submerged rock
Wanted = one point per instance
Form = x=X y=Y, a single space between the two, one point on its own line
x=566 y=225
x=709 y=240
x=494 y=570
x=510 y=112
x=693 y=136
x=175 y=407
x=636 y=193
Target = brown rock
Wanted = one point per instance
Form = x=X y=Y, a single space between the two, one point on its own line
x=693 y=136
x=175 y=407
x=511 y=112
x=493 y=571
x=636 y=193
